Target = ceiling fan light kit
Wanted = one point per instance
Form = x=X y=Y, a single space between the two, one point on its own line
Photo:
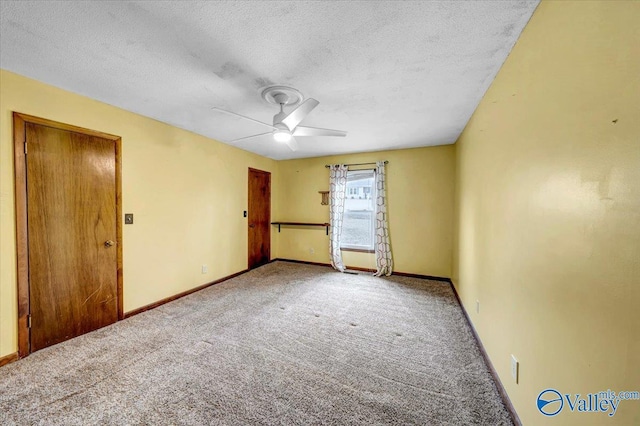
x=286 y=126
x=282 y=135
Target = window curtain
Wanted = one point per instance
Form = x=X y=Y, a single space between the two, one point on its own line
x=384 y=261
x=337 y=189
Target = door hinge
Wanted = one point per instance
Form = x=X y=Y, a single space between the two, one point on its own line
x=25 y=147
x=28 y=321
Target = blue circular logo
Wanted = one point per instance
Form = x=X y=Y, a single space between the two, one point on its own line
x=550 y=402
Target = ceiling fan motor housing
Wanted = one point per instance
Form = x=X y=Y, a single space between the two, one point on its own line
x=277 y=119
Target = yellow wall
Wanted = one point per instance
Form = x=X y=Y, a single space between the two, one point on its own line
x=187 y=193
x=420 y=206
x=548 y=209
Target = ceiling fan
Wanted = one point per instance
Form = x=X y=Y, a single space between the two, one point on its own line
x=286 y=126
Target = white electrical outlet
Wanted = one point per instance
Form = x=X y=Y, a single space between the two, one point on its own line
x=515 y=367
x=477 y=306
x=311 y=250
x=205 y=269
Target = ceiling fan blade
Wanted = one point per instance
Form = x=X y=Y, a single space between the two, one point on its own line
x=314 y=131
x=242 y=116
x=293 y=145
x=250 y=137
x=297 y=115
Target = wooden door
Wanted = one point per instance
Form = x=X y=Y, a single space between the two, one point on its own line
x=72 y=188
x=259 y=218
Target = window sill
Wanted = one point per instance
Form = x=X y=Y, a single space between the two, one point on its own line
x=357 y=250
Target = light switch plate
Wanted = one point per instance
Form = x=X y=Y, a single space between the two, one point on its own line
x=128 y=218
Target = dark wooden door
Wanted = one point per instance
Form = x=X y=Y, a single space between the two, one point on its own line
x=72 y=235
x=259 y=218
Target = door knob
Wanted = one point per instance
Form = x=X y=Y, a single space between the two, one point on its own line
x=252 y=226
x=108 y=243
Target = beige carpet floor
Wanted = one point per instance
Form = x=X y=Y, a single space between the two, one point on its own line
x=285 y=344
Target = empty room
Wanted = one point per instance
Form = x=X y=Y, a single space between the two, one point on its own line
x=320 y=212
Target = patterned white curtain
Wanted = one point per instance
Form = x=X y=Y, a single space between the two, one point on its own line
x=384 y=261
x=337 y=190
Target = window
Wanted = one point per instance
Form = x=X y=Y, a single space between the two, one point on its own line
x=359 y=211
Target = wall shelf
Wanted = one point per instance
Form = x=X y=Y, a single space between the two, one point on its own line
x=324 y=225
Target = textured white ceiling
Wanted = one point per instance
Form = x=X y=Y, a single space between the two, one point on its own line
x=393 y=74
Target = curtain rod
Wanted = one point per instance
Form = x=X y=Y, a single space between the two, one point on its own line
x=356 y=164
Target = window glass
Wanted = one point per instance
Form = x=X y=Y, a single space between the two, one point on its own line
x=359 y=211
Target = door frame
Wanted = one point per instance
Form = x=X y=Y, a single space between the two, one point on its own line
x=251 y=169
x=22 y=242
